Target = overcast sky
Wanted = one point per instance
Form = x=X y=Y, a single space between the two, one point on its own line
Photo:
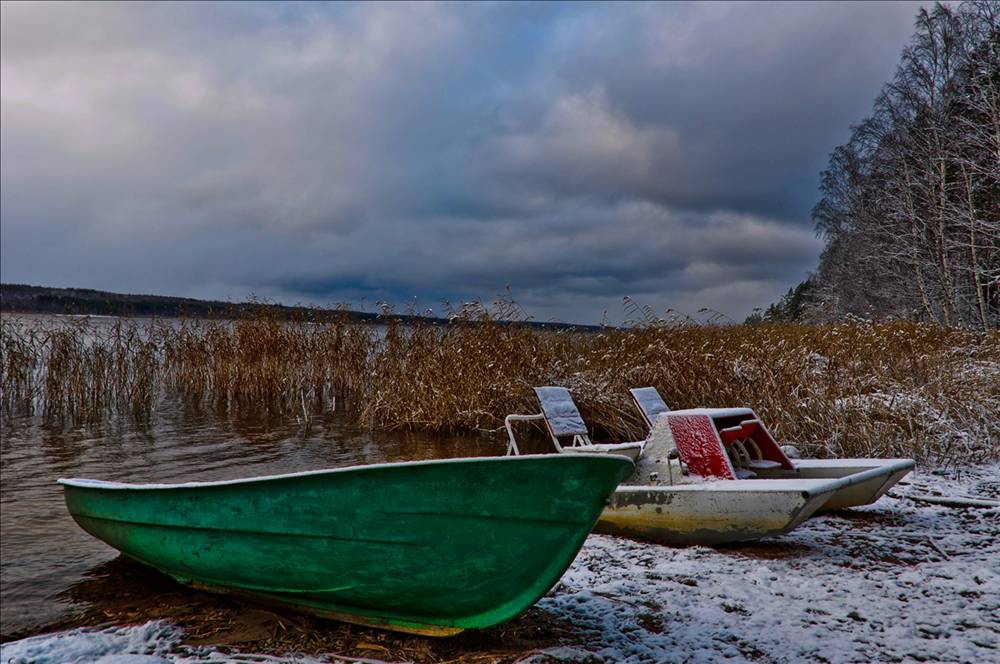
x=329 y=153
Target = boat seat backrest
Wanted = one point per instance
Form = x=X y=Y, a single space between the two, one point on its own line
x=650 y=404
x=562 y=417
x=752 y=435
x=700 y=447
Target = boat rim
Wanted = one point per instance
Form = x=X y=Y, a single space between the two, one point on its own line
x=808 y=487
x=85 y=483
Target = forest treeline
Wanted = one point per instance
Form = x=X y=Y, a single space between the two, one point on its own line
x=23 y=298
x=910 y=207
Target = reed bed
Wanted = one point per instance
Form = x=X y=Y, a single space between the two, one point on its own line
x=265 y=364
x=849 y=389
x=853 y=389
x=78 y=372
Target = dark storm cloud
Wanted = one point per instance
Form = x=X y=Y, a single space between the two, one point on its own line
x=324 y=152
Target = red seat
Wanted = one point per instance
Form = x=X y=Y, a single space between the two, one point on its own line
x=699 y=446
x=771 y=454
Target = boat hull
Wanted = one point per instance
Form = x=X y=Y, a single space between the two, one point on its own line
x=872 y=478
x=426 y=547
x=718 y=512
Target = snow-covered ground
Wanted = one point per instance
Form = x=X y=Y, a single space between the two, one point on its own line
x=155 y=642
x=897 y=581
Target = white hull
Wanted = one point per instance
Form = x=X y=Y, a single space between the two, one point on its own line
x=716 y=512
x=662 y=504
x=872 y=478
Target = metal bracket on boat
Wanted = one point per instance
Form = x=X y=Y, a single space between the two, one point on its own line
x=508 y=422
x=672 y=454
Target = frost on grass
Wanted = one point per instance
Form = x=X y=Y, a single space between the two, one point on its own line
x=895 y=581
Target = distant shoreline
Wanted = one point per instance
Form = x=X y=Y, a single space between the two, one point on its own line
x=23 y=298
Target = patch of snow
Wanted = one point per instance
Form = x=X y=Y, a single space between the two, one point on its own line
x=155 y=642
x=897 y=401
x=144 y=644
x=818 y=362
x=980 y=368
x=791 y=451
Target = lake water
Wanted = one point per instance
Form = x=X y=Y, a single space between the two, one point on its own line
x=46 y=556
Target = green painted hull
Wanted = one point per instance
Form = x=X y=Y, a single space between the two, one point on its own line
x=430 y=547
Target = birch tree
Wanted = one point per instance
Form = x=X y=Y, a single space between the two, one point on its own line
x=911 y=204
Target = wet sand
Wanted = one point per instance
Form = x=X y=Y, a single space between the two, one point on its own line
x=122 y=592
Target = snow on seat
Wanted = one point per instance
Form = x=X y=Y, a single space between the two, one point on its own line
x=699 y=446
x=711 y=453
x=561 y=414
x=749 y=434
x=650 y=404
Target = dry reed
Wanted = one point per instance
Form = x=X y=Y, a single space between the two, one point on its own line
x=77 y=371
x=835 y=390
x=266 y=364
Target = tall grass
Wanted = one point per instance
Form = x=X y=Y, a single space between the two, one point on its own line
x=838 y=390
x=76 y=371
x=267 y=364
x=852 y=389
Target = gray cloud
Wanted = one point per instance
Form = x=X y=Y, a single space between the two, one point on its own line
x=323 y=152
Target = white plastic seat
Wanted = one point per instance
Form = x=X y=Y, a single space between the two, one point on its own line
x=763 y=464
x=650 y=404
x=566 y=426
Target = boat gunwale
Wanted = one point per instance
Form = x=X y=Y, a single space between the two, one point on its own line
x=84 y=483
x=803 y=487
x=895 y=463
x=808 y=487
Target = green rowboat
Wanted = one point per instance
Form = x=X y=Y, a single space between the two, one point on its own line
x=427 y=547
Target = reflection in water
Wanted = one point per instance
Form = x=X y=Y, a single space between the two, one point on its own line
x=50 y=566
x=121 y=580
x=123 y=590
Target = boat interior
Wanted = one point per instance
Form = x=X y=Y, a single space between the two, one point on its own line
x=733 y=443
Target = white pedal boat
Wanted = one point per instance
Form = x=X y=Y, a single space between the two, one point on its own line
x=755 y=455
x=704 y=503
x=711 y=475
x=693 y=508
